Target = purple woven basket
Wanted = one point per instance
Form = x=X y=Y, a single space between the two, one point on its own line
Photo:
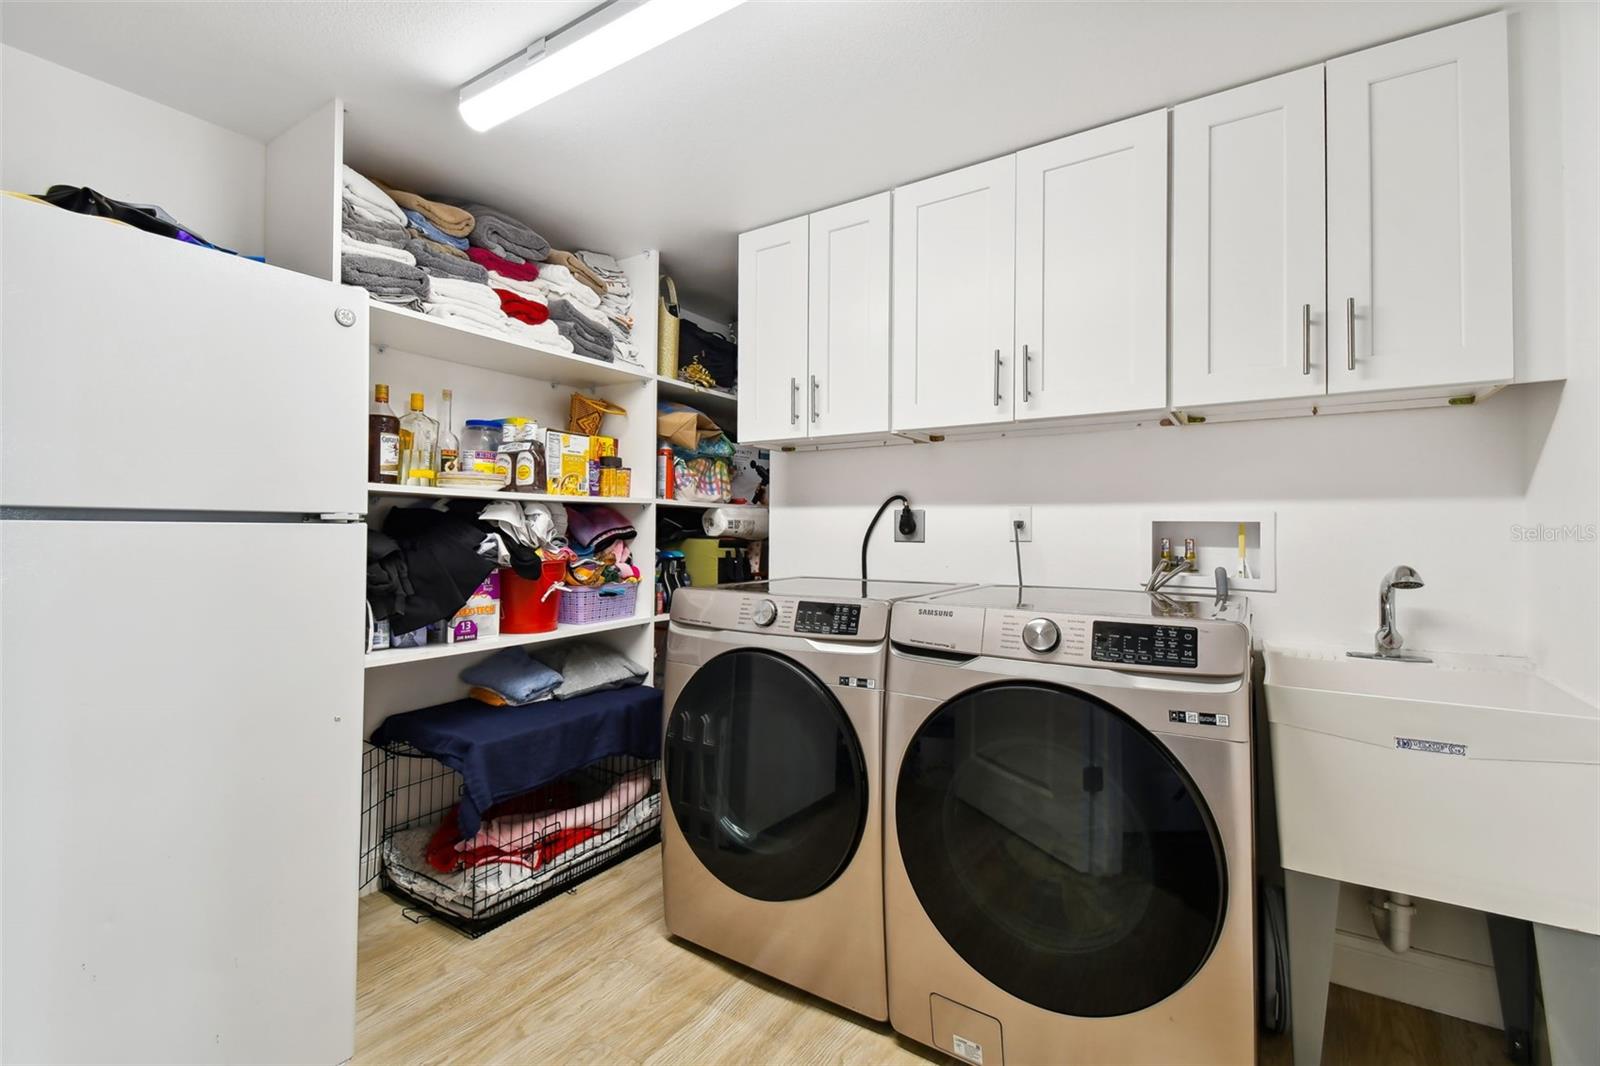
x=579 y=605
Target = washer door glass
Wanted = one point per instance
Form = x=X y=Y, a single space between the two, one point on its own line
x=1060 y=849
x=765 y=775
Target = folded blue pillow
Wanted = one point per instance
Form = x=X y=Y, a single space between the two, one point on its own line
x=514 y=676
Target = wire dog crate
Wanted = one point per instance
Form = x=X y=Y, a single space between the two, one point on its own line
x=526 y=850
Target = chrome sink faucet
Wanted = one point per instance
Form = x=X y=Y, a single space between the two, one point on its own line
x=1387 y=641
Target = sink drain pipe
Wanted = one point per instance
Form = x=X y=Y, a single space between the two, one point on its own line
x=1392 y=919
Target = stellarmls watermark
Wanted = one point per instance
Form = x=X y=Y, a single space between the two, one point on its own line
x=1569 y=533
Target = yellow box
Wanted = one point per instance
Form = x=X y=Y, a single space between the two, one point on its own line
x=566 y=458
x=601 y=446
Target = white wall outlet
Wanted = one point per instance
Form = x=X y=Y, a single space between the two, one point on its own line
x=1025 y=516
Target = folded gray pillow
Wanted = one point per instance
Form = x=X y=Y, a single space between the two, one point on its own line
x=514 y=676
x=587 y=667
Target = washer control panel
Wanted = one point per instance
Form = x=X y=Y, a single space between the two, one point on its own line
x=828 y=619
x=1138 y=644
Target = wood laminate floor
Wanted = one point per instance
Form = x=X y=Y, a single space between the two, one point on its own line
x=592 y=977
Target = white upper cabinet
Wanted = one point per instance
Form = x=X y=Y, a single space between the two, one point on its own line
x=954 y=273
x=772 y=331
x=1249 y=315
x=1419 y=211
x=847 y=386
x=1091 y=287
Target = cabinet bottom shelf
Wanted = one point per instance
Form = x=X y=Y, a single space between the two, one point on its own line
x=395 y=656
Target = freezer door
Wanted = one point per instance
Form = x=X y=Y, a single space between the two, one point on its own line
x=181 y=712
x=144 y=373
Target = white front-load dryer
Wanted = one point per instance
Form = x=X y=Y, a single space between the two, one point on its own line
x=1069 y=868
x=772 y=843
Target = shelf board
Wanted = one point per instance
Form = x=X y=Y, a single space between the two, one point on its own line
x=395 y=656
x=412 y=331
x=429 y=492
x=689 y=392
x=706 y=506
x=663 y=617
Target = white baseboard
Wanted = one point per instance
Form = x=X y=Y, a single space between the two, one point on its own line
x=1452 y=986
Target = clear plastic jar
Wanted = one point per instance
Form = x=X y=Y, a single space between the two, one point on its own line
x=480 y=445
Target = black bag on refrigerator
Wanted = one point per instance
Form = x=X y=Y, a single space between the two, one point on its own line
x=716 y=353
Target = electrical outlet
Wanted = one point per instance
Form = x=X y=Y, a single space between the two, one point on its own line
x=916 y=537
x=1025 y=516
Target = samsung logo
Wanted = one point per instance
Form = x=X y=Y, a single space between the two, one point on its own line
x=1435 y=747
x=935 y=613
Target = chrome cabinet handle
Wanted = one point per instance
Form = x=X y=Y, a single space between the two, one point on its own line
x=1305 y=339
x=1350 y=333
x=997 y=377
x=794 y=400
x=1027 y=370
x=813 y=397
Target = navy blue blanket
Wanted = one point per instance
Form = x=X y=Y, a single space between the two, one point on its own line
x=502 y=752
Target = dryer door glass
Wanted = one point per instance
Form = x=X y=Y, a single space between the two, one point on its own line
x=1059 y=849
x=765 y=776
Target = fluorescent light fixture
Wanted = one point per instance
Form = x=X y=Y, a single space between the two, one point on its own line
x=609 y=37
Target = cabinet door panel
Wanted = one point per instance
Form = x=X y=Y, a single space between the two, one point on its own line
x=1092 y=271
x=1248 y=243
x=772 y=332
x=848 y=382
x=954 y=274
x=1419 y=211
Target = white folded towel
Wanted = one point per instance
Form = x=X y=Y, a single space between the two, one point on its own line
x=469 y=314
x=348 y=245
x=528 y=289
x=545 y=334
x=600 y=262
x=458 y=291
x=559 y=281
x=364 y=196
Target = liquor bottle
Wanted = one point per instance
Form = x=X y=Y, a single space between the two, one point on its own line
x=383 y=439
x=419 y=443
x=449 y=443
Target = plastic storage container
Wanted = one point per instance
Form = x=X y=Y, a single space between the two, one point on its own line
x=599 y=604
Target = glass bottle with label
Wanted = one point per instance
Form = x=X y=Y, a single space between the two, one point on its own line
x=419 y=443
x=449 y=443
x=383 y=439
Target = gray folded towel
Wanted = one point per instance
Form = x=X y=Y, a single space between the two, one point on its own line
x=561 y=310
x=373 y=232
x=502 y=234
x=442 y=265
x=581 y=343
x=385 y=280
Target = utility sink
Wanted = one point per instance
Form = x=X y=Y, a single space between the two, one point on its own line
x=1470 y=780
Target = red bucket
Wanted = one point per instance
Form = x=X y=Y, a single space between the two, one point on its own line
x=531 y=606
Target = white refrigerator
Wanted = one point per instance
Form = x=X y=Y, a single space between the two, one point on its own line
x=182 y=468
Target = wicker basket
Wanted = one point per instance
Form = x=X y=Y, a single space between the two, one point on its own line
x=667 y=350
x=599 y=603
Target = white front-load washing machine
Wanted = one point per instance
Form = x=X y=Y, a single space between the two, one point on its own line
x=772 y=843
x=1068 y=835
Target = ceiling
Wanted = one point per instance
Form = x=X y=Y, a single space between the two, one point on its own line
x=767 y=112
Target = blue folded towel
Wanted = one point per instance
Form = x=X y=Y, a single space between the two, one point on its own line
x=420 y=222
x=514 y=676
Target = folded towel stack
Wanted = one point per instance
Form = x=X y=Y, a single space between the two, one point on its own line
x=372 y=245
x=616 y=301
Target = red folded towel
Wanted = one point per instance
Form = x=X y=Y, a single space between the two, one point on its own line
x=521 y=308
x=515 y=271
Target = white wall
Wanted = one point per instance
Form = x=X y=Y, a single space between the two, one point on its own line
x=59 y=127
x=1443 y=489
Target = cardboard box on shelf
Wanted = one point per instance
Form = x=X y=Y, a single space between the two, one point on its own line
x=567 y=463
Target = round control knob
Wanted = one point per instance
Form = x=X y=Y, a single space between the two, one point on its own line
x=1041 y=635
x=766 y=613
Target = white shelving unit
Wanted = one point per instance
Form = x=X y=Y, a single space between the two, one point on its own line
x=395 y=656
x=491 y=376
x=430 y=493
x=704 y=506
x=411 y=331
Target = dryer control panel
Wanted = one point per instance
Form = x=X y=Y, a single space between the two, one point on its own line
x=831 y=619
x=1145 y=645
